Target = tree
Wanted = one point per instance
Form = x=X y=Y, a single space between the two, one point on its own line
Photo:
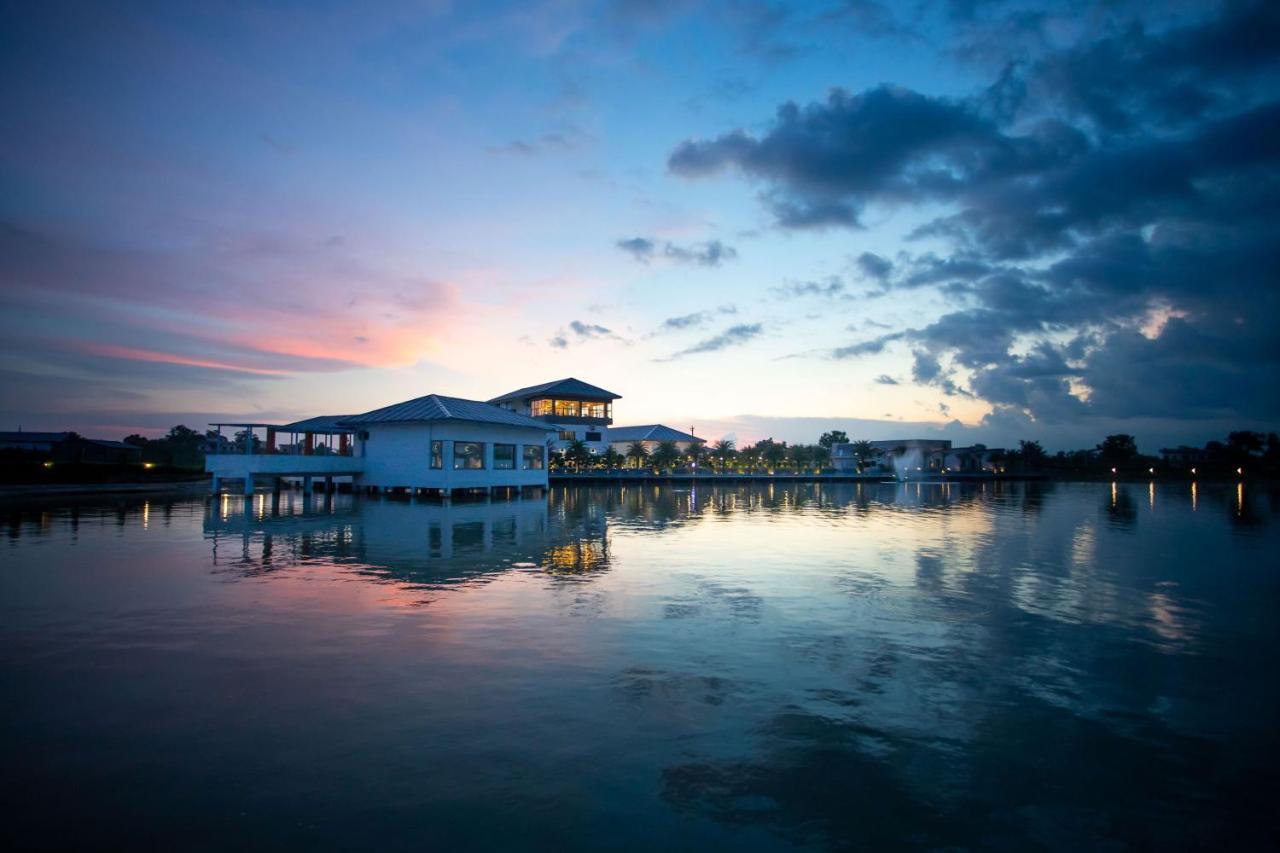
x=638 y=453
x=577 y=454
x=612 y=458
x=1118 y=449
x=830 y=439
x=665 y=454
x=694 y=451
x=1032 y=453
x=862 y=451
x=136 y=440
x=724 y=451
x=772 y=452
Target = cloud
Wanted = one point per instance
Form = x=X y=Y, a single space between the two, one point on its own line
x=568 y=139
x=831 y=288
x=577 y=331
x=874 y=267
x=709 y=254
x=731 y=337
x=885 y=379
x=1091 y=188
x=694 y=320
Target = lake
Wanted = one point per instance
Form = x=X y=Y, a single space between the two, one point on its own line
x=1008 y=666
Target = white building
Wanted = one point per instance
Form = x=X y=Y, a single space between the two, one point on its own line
x=580 y=411
x=435 y=443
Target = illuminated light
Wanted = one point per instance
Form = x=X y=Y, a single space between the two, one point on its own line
x=1193 y=470
x=1193 y=497
x=1152 y=470
x=1113 y=471
x=48 y=464
x=1240 y=471
x=148 y=464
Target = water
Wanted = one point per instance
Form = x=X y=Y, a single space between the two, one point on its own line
x=918 y=666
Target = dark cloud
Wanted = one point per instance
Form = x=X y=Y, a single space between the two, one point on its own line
x=694 y=320
x=886 y=379
x=1112 y=213
x=709 y=254
x=873 y=266
x=731 y=337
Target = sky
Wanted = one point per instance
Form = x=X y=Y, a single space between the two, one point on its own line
x=978 y=220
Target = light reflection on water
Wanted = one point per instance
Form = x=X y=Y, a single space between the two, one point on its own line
x=876 y=665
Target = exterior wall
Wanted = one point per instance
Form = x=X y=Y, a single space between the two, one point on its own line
x=580 y=433
x=396 y=455
x=234 y=466
x=623 y=446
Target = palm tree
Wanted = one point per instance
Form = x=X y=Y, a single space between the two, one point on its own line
x=638 y=452
x=612 y=458
x=694 y=452
x=862 y=451
x=665 y=454
x=724 y=451
x=578 y=454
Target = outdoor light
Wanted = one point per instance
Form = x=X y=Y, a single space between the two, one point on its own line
x=1240 y=471
x=1193 y=470
x=48 y=464
x=1113 y=470
x=148 y=464
x=1152 y=470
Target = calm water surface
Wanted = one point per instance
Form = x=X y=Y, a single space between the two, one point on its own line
x=1011 y=667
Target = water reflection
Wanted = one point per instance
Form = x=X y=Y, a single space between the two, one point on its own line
x=899 y=665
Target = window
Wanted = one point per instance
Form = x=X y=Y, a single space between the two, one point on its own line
x=592 y=436
x=568 y=435
x=567 y=408
x=437 y=454
x=540 y=408
x=504 y=456
x=532 y=457
x=593 y=410
x=468 y=454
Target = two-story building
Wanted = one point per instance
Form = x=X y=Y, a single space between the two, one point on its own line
x=573 y=409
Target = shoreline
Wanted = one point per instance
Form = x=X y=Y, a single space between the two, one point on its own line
x=39 y=490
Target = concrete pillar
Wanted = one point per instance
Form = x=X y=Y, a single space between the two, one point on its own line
x=328 y=485
x=306 y=484
x=446 y=494
x=248 y=485
x=215 y=484
x=276 y=483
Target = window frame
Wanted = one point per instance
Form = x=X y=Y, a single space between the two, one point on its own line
x=435 y=453
x=540 y=457
x=480 y=445
x=510 y=463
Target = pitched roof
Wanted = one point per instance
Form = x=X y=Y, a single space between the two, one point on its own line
x=569 y=387
x=434 y=407
x=320 y=423
x=35 y=437
x=650 y=432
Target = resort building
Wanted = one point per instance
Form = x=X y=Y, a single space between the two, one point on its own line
x=650 y=436
x=580 y=411
x=1183 y=456
x=433 y=443
x=918 y=455
x=573 y=409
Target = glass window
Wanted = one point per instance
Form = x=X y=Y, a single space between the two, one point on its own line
x=540 y=408
x=533 y=454
x=568 y=435
x=593 y=410
x=592 y=436
x=437 y=454
x=468 y=454
x=567 y=408
x=504 y=456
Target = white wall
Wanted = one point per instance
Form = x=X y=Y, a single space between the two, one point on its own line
x=400 y=455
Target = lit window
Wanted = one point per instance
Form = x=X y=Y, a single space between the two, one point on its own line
x=533 y=454
x=567 y=408
x=437 y=454
x=504 y=456
x=568 y=435
x=593 y=410
x=540 y=408
x=468 y=454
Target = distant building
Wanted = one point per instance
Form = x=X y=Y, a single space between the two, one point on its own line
x=1183 y=456
x=96 y=451
x=650 y=436
x=922 y=455
x=32 y=442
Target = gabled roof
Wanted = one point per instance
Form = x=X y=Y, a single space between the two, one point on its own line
x=320 y=423
x=34 y=437
x=434 y=407
x=650 y=432
x=568 y=387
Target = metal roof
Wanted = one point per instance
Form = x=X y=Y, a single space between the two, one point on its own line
x=35 y=437
x=434 y=407
x=320 y=423
x=650 y=432
x=569 y=387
